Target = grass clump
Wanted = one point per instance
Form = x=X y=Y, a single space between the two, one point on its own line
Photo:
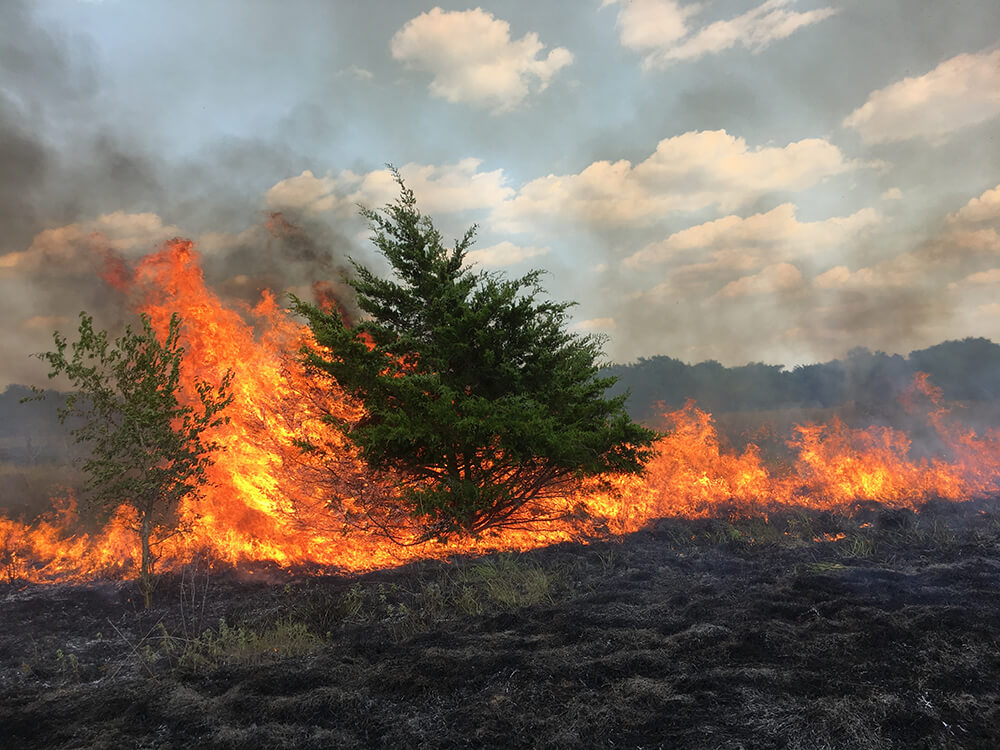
x=858 y=546
x=503 y=582
x=241 y=645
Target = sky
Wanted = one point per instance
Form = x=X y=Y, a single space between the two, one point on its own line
x=770 y=181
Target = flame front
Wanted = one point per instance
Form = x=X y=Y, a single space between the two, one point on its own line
x=267 y=502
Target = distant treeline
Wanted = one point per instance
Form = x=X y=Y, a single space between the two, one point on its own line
x=967 y=370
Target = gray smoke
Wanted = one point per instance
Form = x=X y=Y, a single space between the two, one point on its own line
x=64 y=162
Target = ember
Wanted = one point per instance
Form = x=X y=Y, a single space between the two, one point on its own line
x=271 y=503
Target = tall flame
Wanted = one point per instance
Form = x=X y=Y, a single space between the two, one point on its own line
x=268 y=502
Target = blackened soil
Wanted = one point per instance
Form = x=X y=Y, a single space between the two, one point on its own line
x=718 y=634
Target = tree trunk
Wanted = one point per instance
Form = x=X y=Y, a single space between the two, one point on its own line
x=146 y=565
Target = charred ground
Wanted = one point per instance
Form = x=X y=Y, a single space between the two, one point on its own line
x=700 y=634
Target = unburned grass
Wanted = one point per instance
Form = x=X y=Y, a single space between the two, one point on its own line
x=240 y=645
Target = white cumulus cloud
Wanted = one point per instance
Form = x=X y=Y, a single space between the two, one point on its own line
x=688 y=172
x=906 y=270
x=960 y=92
x=984 y=208
x=776 y=232
x=311 y=193
x=439 y=189
x=472 y=58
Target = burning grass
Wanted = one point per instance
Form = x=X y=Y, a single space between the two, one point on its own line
x=271 y=504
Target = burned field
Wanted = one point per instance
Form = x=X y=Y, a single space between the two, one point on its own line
x=804 y=630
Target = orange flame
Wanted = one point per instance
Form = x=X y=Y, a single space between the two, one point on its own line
x=270 y=502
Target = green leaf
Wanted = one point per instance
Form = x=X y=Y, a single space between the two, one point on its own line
x=148 y=449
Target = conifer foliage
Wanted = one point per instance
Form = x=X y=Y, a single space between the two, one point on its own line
x=477 y=396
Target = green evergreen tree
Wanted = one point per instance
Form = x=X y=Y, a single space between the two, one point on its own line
x=148 y=450
x=477 y=395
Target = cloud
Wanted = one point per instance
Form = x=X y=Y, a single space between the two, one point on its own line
x=659 y=29
x=901 y=271
x=984 y=208
x=652 y=24
x=504 y=254
x=596 y=324
x=775 y=233
x=960 y=92
x=780 y=277
x=968 y=232
x=841 y=277
x=440 y=189
x=356 y=72
x=980 y=280
x=992 y=276
x=927 y=267
x=952 y=258
x=43 y=287
x=986 y=241
x=687 y=172
x=892 y=194
x=473 y=59
x=64 y=269
x=697 y=281
x=307 y=192
x=79 y=246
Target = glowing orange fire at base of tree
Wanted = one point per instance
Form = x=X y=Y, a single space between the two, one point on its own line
x=269 y=502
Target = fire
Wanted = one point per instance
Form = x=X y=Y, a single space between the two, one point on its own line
x=268 y=502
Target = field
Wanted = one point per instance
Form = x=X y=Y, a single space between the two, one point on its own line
x=799 y=631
